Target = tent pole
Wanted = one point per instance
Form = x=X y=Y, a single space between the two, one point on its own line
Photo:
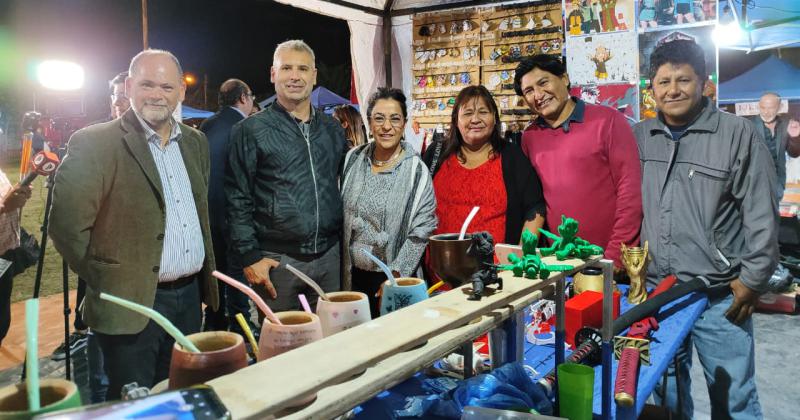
x=387 y=41
x=387 y=48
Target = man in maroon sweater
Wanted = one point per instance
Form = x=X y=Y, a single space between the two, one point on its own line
x=585 y=155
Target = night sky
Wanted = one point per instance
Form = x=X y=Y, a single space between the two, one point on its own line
x=221 y=38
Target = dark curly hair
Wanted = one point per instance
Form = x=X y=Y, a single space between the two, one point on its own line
x=388 y=93
x=680 y=51
x=454 y=140
x=546 y=62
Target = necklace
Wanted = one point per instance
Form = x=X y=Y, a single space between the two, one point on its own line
x=382 y=163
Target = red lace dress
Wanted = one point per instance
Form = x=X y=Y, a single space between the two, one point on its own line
x=459 y=189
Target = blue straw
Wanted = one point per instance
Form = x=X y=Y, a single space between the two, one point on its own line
x=383 y=266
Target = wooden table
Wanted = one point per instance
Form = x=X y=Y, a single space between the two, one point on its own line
x=354 y=365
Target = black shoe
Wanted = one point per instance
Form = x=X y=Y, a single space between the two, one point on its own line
x=77 y=341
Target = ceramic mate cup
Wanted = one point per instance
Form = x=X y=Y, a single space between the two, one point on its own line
x=407 y=292
x=221 y=353
x=299 y=328
x=342 y=310
x=54 y=394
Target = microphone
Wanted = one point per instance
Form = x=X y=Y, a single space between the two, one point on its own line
x=43 y=163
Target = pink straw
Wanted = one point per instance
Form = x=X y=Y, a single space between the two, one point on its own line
x=304 y=302
x=251 y=293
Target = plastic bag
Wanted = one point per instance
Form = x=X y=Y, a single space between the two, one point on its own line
x=508 y=387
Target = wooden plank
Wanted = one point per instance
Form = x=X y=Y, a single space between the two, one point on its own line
x=269 y=386
x=338 y=399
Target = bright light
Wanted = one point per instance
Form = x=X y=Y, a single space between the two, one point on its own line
x=60 y=75
x=727 y=34
x=189 y=79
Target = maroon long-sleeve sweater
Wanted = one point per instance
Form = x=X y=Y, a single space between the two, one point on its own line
x=590 y=171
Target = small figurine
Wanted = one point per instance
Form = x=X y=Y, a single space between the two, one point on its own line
x=635 y=260
x=482 y=248
x=569 y=244
x=532 y=267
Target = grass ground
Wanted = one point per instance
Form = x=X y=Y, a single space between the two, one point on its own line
x=32 y=216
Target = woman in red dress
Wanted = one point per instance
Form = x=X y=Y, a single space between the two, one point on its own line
x=475 y=167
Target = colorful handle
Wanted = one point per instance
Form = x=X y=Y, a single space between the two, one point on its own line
x=627 y=376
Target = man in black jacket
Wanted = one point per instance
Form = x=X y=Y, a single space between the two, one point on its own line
x=281 y=185
x=235 y=103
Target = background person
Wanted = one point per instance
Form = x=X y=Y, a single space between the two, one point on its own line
x=780 y=134
x=350 y=119
x=13 y=199
x=235 y=104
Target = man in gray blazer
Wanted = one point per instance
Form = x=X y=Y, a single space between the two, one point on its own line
x=130 y=216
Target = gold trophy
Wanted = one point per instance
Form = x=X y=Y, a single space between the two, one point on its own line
x=635 y=260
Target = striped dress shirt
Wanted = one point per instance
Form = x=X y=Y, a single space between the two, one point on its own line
x=183 y=252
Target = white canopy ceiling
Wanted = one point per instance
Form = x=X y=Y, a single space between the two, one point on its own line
x=370 y=11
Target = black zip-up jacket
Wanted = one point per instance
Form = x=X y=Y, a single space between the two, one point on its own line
x=282 y=188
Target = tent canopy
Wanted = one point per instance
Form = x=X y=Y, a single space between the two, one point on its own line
x=750 y=85
x=321 y=97
x=188 y=113
x=775 y=23
x=370 y=11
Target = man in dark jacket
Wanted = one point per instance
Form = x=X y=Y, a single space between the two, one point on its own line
x=780 y=134
x=235 y=103
x=281 y=185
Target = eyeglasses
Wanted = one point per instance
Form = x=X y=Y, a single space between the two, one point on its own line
x=251 y=95
x=395 y=120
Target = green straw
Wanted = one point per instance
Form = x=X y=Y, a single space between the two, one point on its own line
x=155 y=316
x=31 y=356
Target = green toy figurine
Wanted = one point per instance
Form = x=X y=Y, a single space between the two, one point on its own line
x=569 y=244
x=529 y=242
x=531 y=266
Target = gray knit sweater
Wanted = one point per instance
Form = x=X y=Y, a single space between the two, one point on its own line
x=390 y=213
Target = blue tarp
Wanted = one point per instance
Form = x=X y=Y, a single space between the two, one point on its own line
x=772 y=75
x=188 y=113
x=320 y=98
x=763 y=11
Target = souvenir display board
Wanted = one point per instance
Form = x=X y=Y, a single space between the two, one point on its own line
x=446 y=59
x=479 y=46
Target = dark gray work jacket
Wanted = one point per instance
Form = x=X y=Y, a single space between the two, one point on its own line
x=708 y=200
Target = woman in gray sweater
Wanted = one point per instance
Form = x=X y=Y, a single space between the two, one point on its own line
x=389 y=206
